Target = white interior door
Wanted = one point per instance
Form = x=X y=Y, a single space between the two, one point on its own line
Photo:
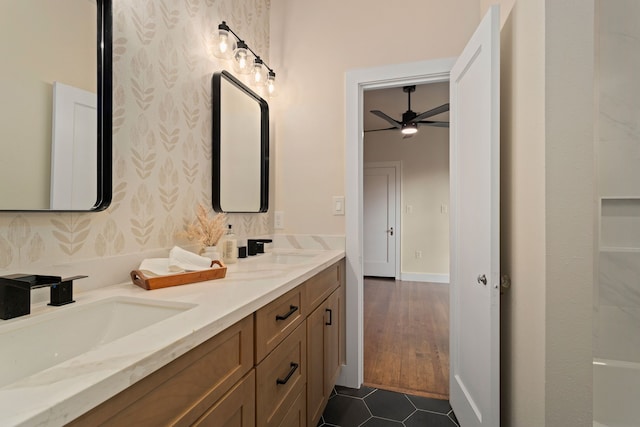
x=475 y=228
x=379 y=218
x=74 y=154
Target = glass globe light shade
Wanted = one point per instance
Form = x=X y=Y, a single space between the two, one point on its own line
x=242 y=63
x=224 y=43
x=271 y=84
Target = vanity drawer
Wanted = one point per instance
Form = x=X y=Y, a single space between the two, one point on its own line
x=236 y=408
x=320 y=286
x=281 y=379
x=296 y=416
x=277 y=319
x=183 y=390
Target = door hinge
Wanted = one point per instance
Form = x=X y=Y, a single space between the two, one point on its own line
x=505 y=283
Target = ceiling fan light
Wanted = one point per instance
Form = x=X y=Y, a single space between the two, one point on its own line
x=409 y=128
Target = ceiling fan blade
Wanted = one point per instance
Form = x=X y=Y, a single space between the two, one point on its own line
x=376 y=130
x=392 y=122
x=434 y=123
x=441 y=109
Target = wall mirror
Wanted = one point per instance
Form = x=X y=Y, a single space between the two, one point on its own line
x=55 y=109
x=240 y=147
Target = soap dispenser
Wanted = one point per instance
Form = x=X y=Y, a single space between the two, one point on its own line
x=230 y=247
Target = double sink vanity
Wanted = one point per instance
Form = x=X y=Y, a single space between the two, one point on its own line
x=263 y=347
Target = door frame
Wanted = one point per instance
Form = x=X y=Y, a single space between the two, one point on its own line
x=397 y=166
x=356 y=82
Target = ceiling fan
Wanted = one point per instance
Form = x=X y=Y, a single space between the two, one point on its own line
x=410 y=119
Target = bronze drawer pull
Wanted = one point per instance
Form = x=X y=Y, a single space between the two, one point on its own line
x=292 y=309
x=294 y=366
x=330 y=322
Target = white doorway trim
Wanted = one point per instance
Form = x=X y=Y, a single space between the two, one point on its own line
x=397 y=165
x=357 y=81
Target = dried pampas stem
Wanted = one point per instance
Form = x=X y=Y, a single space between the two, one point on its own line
x=205 y=229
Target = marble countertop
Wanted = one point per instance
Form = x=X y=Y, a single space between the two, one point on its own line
x=59 y=394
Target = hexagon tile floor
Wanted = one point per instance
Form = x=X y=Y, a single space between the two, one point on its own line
x=370 y=407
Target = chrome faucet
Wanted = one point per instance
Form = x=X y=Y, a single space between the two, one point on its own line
x=15 y=292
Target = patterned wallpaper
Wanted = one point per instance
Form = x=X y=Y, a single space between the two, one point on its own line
x=162 y=66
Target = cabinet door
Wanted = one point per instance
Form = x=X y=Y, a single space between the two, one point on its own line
x=236 y=409
x=332 y=341
x=316 y=390
x=323 y=355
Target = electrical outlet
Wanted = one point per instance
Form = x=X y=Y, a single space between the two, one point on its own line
x=418 y=254
x=444 y=209
x=278 y=220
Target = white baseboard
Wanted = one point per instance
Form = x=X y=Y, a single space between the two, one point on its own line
x=425 y=277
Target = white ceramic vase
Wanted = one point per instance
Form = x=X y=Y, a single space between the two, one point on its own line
x=211 y=252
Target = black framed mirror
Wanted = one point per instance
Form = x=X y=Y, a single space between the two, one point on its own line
x=240 y=147
x=55 y=111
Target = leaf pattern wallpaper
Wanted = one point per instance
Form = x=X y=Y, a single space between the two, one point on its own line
x=162 y=67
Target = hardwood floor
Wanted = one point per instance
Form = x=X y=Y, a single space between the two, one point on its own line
x=406 y=337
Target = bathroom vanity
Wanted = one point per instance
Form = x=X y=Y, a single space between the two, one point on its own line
x=261 y=347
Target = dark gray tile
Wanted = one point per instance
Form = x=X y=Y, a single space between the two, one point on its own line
x=345 y=411
x=453 y=417
x=354 y=392
x=380 y=422
x=433 y=405
x=422 y=418
x=390 y=405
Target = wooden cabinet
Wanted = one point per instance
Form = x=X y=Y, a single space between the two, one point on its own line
x=236 y=409
x=277 y=319
x=185 y=389
x=323 y=355
x=319 y=338
x=275 y=368
x=281 y=378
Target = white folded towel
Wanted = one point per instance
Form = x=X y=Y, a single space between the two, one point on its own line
x=179 y=261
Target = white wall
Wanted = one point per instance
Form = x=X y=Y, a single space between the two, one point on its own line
x=425 y=177
x=570 y=219
x=547 y=213
x=523 y=215
x=313 y=45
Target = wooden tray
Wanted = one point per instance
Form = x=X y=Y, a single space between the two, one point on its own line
x=150 y=283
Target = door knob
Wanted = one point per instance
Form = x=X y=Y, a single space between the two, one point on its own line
x=390 y=231
x=482 y=279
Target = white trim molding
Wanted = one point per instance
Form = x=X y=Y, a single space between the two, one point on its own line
x=425 y=277
x=357 y=81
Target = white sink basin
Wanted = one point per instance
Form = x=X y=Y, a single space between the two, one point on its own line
x=40 y=342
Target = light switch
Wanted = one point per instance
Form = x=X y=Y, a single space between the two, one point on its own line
x=278 y=220
x=338 y=205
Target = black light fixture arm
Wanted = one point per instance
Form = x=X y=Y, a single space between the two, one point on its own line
x=226 y=27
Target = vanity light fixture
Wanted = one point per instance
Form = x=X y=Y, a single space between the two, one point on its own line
x=228 y=45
